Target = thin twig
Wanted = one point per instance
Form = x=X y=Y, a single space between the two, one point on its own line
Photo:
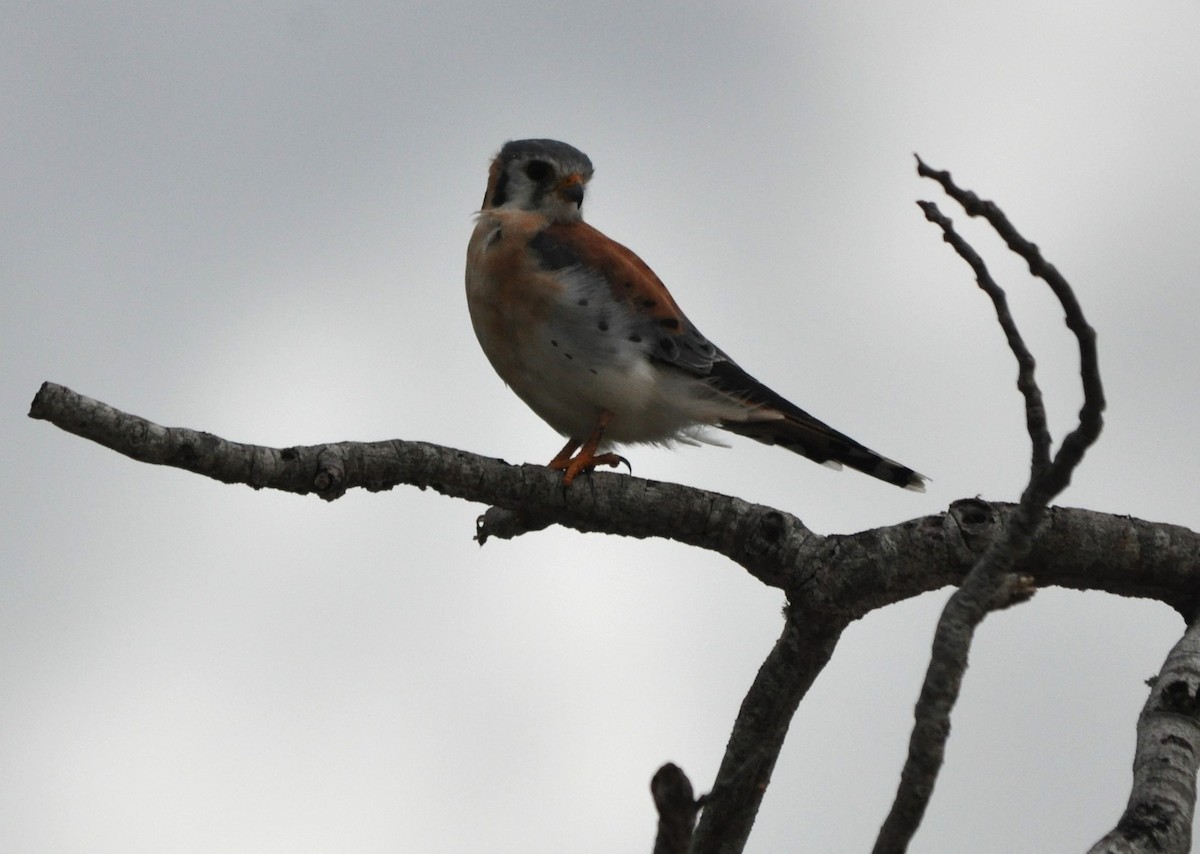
x=991 y=584
x=1091 y=420
x=1035 y=409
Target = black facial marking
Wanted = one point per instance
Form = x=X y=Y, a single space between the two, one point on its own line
x=669 y=323
x=669 y=347
x=500 y=196
x=636 y=339
x=537 y=170
x=602 y=325
x=582 y=302
x=648 y=303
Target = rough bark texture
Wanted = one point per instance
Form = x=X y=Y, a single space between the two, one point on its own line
x=993 y=581
x=800 y=654
x=841 y=574
x=1159 y=815
x=994 y=553
x=829 y=580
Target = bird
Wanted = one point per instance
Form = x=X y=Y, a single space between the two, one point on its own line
x=585 y=333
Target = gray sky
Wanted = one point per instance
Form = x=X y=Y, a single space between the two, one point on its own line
x=252 y=221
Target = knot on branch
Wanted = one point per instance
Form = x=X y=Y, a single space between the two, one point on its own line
x=505 y=524
x=1145 y=822
x=972 y=525
x=769 y=530
x=1181 y=698
x=330 y=480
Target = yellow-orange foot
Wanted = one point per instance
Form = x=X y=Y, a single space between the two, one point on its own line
x=580 y=463
x=572 y=464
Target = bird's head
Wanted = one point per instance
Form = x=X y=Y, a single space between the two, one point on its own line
x=539 y=175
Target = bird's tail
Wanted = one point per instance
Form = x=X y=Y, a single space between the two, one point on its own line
x=821 y=443
x=773 y=420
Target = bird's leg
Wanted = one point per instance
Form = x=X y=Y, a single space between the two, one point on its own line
x=587 y=458
x=564 y=456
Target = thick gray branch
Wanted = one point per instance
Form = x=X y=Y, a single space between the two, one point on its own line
x=800 y=654
x=1159 y=815
x=844 y=575
x=829 y=580
x=759 y=538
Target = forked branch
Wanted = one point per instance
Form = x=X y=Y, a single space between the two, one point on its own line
x=993 y=582
x=829 y=580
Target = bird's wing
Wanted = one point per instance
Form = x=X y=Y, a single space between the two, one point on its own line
x=674 y=341
x=653 y=316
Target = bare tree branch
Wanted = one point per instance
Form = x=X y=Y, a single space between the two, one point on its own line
x=1159 y=815
x=1035 y=409
x=843 y=575
x=829 y=581
x=1087 y=431
x=991 y=583
x=800 y=654
x=763 y=540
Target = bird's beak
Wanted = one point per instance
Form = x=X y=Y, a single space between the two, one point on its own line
x=570 y=189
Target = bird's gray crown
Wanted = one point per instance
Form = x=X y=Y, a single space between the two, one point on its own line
x=567 y=156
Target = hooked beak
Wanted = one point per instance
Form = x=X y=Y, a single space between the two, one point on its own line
x=570 y=189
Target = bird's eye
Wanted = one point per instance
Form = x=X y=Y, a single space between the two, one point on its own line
x=537 y=170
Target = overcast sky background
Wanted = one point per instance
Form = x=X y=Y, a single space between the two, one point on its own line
x=251 y=219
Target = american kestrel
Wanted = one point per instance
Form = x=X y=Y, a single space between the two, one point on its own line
x=587 y=335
